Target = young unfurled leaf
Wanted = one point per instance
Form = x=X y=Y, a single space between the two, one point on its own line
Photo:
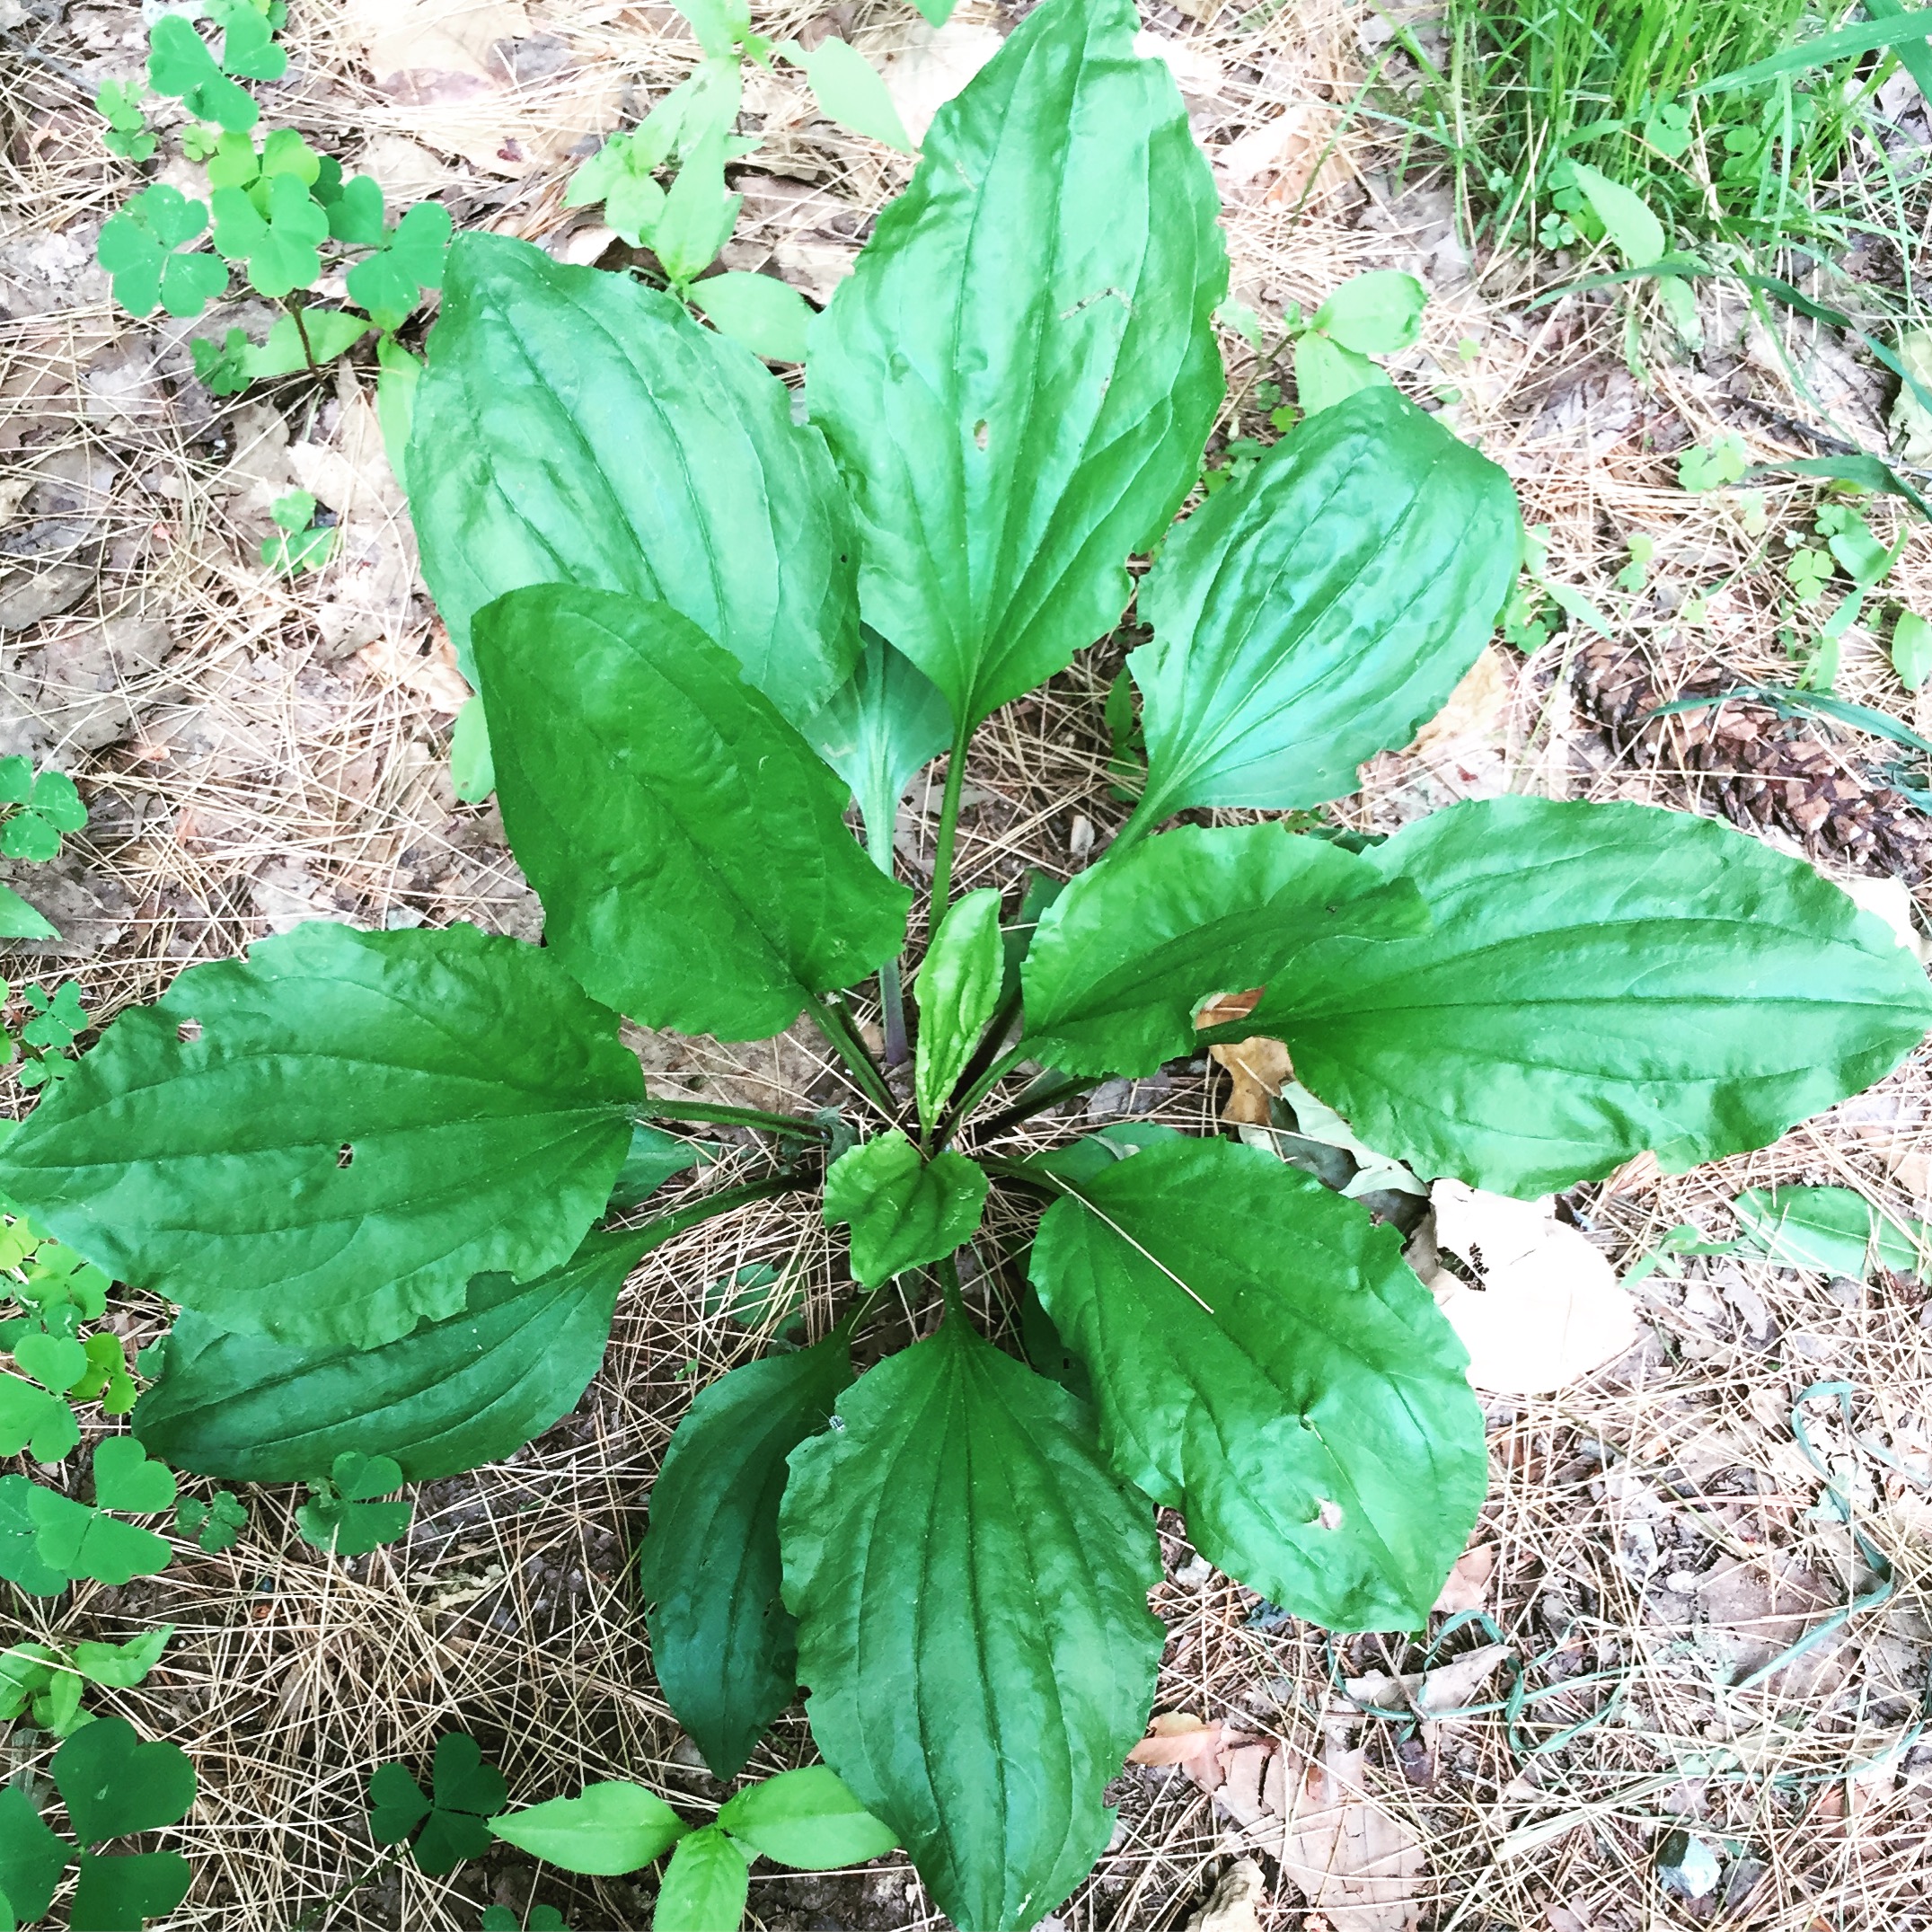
x=958 y=991
x=125 y=1480
x=1378 y=313
x=178 y=63
x=344 y=1513
x=1327 y=373
x=216 y=1526
x=472 y=770
x=605 y=1830
x=893 y=1513
x=280 y=246
x=1911 y=649
x=697 y=871
x=113 y=1785
x=1015 y=419
x=556 y=425
x=317 y=340
x=121 y=1666
x=1834 y=1230
x=876 y=732
x=444 y=1074
x=704 y=1886
x=722 y=1643
x=448 y=1397
x=767 y=315
x=805 y=1819
x=1219 y=1297
x=903 y=1210
x=1123 y=959
x=455 y=1826
x=698 y=213
x=1601 y=979
x=143 y=247
x=299 y=547
x=621 y=173
x=390 y=282
x=120 y=1891
x=1290 y=639
x=849 y=91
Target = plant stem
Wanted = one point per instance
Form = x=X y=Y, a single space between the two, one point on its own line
x=957 y=1116
x=294 y=309
x=1130 y=833
x=1044 y=1093
x=668 y=1227
x=949 y=1281
x=656 y=1108
x=942 y=846
x=318 y=1911
x=1018 y=1174
x=892 y=1003
x=851 y=1050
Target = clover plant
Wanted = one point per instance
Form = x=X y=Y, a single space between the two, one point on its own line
x=372 y=1168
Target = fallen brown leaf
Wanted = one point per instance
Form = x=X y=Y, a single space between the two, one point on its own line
x=1449 y=1687
x=1258 y=1067
x=1466 y=1585
x=925 y=67
x=1353 y=1859
x=1473 y=711
x=1231 y=1908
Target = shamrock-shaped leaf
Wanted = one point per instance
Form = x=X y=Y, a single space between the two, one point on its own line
x=71 y=1540
x=341 y=1514
x=280 y=248
x=107 y=1375
x=389 y=283
x=299 y=547
x=44 y=810
x=32 y=1856
x=542 y=1918
x=467 y=1793
x=354 y=209
x=141 y=248
x=55 y=1362
x=37 y=1420
x=119 y=103
x=114 y=1784
x=121 y=1892
x=216 y=1526
x=222 y=370
x=248 y=45
x=126 y=1478
x=58 y=1020
x=200 y=143
x=178 y=63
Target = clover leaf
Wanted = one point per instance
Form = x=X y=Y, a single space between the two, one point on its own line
x=355 y=208
x=280 y=250
x=299 y=547
x=44 y=808
x=342 y=1513
x=119 y=103
x=389 y=283
x=178 y=63
x=58 y=1020
x=142 y=248
x=216 y=1526
x=467 y=1793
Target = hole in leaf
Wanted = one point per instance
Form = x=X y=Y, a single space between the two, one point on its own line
x=1328 y=1514
x=188 y=1029
x=344 y=1154
x=979 y=434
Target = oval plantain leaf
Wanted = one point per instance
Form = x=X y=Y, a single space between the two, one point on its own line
x=1019 y=376
x=448 y=1397
x=325 y=1141
x=805 y=1819
x=1312 y=1420
x=723 y=1645
x=959 y=992
x=1123 y=956
x=1601 y=979
x=689 y=850
x=1322 y=610
x=905 y=1210
x=970 y=1582
x=577 y=427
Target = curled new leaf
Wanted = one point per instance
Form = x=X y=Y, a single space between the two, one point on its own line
x=905 y=1210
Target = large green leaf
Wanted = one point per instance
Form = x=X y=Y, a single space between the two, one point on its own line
x=325 y=1141
x=1263 y=1361
x=886 y=723
x=970 y=1582
x=578 y=427
x=904 y=1210
x=448 y=1397
x=1601 y=979
x=689 y=850
x=1019 y=374
x=722 y=1644
x=1123 y=956
x=1323 y=610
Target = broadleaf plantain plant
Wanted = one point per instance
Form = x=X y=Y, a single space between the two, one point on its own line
x=368 y=1165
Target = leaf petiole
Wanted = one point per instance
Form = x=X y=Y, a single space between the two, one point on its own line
x=843 y=1037
x=1048 y=1091
x=942 y=846
x=656 y=1108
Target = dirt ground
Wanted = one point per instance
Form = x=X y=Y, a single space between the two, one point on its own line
x=255 y=753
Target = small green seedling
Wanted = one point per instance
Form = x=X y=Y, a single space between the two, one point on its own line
x=113 y=1786
x=540 y=1918
x=36 y=811
x=1808 y=571
x=119 y=103
x=215 y=1525
x=1636 y=573
x=1911 y=649
x=303 y=544
x=56 y=1020
x=180 y=63
x=343 y=1514
x=44 y=1682
x=144 y=249
x=1379 y=313
x=454 y=1825
x=1713 y=465
x=806 y=1820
